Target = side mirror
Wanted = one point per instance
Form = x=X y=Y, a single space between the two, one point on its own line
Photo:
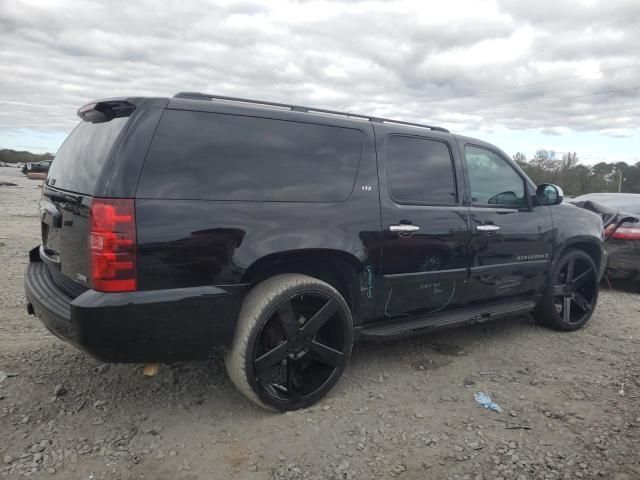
x=549 y=194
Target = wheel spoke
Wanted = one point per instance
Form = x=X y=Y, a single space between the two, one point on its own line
x=288 y=319
x=325 y=354
x=566 y=309
x=570 y=268
x=558 y=290
x=582 y=302
x=319 y=319
x=273 y=357
x=294 y=379
x=582 y=278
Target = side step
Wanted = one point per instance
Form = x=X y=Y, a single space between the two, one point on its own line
x=385 y=330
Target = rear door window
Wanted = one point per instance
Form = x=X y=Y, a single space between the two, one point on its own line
x=79 y=161
x=201 y=155
x=419 y=171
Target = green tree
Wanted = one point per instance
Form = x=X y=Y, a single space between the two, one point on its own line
x=520 y=158
x=16 y=156
x=577 y=179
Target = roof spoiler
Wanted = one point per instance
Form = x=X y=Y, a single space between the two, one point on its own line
x=105 y=110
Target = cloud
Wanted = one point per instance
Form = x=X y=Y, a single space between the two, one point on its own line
x=551 y=131
x=459 y=63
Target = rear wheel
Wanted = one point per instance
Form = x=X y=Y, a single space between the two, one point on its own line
x=572 y=295
x=292 y=342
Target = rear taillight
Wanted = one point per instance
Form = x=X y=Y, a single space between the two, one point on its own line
x=112 y=245
x=626 y=231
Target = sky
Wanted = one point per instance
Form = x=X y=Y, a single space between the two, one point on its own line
x=560 y=75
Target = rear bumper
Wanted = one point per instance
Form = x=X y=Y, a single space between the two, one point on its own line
x=146 y=326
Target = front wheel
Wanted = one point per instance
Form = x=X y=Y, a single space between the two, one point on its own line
x=292 y=342
x=571 y=297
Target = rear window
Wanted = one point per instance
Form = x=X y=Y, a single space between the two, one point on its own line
x=420 y=171
x=80 y=159
x=200 y=155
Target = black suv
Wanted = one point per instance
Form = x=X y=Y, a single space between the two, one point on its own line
x=173 y=228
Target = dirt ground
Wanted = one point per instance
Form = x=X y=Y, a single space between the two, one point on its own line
x=403 y=409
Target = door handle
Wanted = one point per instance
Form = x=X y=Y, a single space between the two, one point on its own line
x=404 y=228
x=487 y=228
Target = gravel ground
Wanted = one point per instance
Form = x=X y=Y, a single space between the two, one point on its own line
x=403 y=409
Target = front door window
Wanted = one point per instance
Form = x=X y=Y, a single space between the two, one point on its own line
x=492 y=180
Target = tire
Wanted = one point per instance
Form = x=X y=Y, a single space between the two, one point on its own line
x=569 y=305
x=292 y=341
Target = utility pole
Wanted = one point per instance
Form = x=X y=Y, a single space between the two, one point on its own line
x=620 y=181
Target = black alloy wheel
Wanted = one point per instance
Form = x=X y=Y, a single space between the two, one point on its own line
x=575 y=292
x=572 y=298
x=293 y=340
x=300 y=348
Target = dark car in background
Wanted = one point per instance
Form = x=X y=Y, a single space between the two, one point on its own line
x=620 y=213
x=36 y=167
x=281 y=234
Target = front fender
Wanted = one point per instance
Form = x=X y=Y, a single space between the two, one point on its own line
x=575 y=227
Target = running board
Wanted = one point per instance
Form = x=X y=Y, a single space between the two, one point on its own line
x=394 y=328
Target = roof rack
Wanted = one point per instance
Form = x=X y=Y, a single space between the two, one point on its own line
x=298 y=108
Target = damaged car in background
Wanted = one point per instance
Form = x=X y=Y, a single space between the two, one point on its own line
x=36 y=167
x=620 y=213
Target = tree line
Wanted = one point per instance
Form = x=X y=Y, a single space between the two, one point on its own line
x=17 y=156
x=577 y=179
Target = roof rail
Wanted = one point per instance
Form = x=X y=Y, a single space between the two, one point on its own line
x=298 y=108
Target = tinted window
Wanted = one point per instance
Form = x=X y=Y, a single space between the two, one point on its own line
x=197 y=155
x=419 y=171
x=80 y=159
x=492 y=180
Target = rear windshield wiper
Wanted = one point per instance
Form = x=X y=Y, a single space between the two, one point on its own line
x=63 y=197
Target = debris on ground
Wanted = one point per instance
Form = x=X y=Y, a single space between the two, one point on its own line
x=5 y=375
x=151 y=369
x=59 y=390
x=485 y=400
x=37 y=176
